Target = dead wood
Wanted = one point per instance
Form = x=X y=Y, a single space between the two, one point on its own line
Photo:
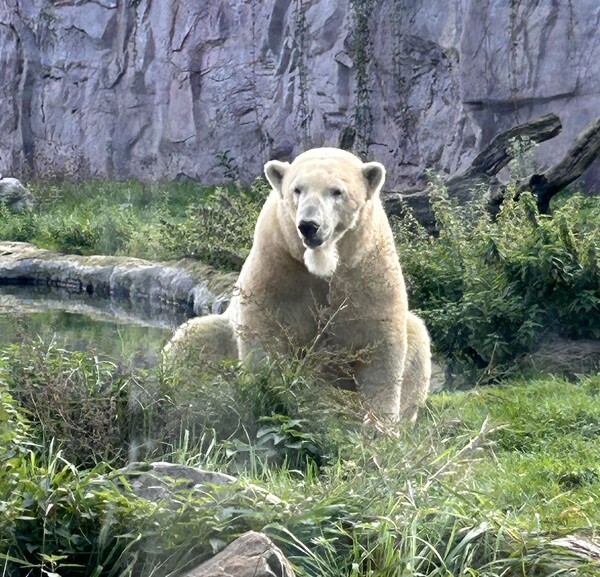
x=482 y=174
x=577 y=159
x=498 y=153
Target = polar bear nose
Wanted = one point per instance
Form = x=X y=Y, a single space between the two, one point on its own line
x=308 y=229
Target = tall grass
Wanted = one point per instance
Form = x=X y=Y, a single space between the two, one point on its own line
x=156 y=221
x=480 y=486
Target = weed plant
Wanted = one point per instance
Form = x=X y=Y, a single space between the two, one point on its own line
x=154 y=221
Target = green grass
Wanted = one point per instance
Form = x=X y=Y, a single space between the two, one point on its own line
x=159 y=221
x=481 y=486
x=545 y=469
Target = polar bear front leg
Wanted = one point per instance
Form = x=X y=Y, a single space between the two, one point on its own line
x=261 y=334
x=380 y=381
x=416 y=376
x=254 y=346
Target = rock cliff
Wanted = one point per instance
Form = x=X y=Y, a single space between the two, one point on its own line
x=210 y=90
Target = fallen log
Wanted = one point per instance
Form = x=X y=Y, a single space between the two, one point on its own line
x=482 y=174
x=578 y=158
x=499 y=152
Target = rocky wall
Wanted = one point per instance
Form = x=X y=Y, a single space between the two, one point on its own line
x=166 y=89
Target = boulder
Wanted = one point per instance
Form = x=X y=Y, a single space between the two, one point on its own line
x=14 y=195
x=155 y=481
x=556 y=355
x=251 y=555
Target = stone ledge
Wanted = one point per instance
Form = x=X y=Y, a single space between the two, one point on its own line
x=184 y=283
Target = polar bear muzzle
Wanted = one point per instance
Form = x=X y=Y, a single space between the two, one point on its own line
x=309 y=233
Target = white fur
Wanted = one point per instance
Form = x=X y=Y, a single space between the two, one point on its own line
x=322 y=261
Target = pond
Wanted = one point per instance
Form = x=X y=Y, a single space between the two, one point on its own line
x=134 y=332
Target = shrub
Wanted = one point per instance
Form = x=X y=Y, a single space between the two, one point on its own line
x=219 y=230
x=18 y=226
x=53 y=514
x=159 y=222
x=489 y=289
x=91 y=408
x=286 y=410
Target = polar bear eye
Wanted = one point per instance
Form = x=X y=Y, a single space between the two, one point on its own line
x=336 y=193
x=297 y=191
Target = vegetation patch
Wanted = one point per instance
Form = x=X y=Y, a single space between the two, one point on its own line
x=481 y=485
x=489 y=290
x=159 y=221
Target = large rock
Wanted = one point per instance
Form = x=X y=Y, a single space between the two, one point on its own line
x=159 y=480
x=154 y=481
x=14 y=195
x=251 y=555
x=211 y=90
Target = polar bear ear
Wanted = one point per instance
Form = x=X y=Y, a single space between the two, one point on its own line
x=275 y=171
x=374 y=174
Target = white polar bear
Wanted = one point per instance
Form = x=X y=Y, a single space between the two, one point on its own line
x=324 y=268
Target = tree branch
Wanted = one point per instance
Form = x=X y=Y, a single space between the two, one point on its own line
x=577 y=159
x=495 y=156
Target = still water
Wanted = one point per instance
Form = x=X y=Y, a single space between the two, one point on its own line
x=134 y=332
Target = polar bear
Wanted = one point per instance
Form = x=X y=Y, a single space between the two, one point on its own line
x=323 y=269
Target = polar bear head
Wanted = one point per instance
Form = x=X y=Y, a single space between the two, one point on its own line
x=324 y=191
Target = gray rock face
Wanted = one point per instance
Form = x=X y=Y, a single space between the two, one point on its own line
x=251 y=555
x=14 y=195
x=211 y=90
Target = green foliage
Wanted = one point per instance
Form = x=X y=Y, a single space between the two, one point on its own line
x=219 y=230
x=490 y=289
x=53 y=514
x=89 y=406
x=361 y=47
x=60 y=518
x=339 y=497
x=522 y=151
x=157 y=221
x=480 y=486
x=278 y=412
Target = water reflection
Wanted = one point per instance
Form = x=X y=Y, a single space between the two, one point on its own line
x=132 y=331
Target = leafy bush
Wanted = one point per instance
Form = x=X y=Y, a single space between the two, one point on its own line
x=284 y=411
x=51 y=513
x=90 y=407
x=96 y=410
x=219 y=230
x=489 y=289
x=19 y=227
